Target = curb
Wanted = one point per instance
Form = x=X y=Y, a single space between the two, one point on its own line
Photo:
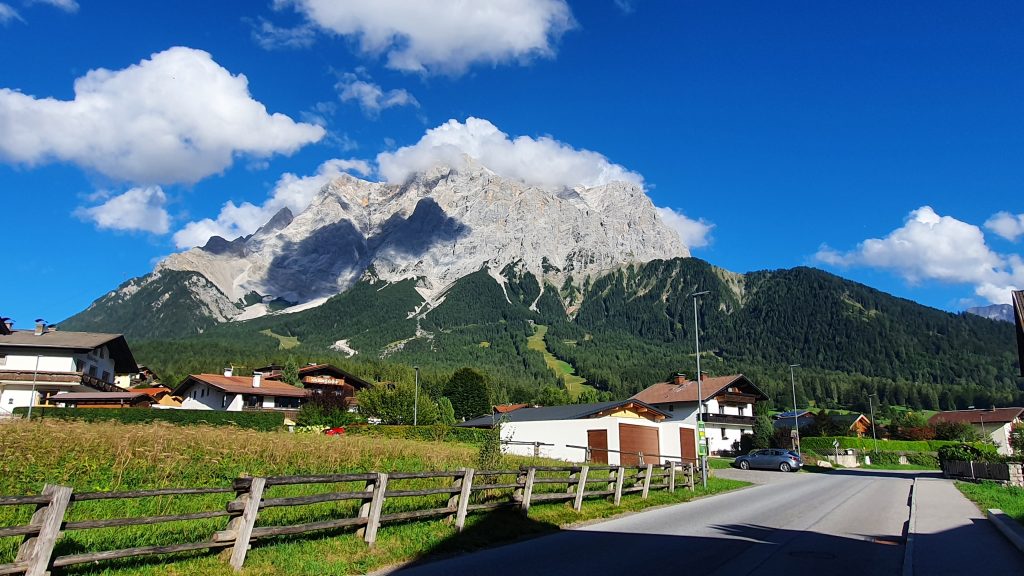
x=1013 y=531
x=908 y=550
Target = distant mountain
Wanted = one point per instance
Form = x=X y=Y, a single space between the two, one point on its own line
x=1003 y=312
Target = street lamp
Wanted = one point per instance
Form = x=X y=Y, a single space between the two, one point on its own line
x=871 y=406
x=416 y=398
x=32 y=394
x=796 y=421
x=700 y=397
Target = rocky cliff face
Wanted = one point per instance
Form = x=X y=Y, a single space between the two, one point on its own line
x=1002 y=312
x=438 y=227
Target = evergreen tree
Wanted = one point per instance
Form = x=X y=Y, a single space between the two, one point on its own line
x=764 y=431
x=470 y=393
x=446 y=413
x=290 y=372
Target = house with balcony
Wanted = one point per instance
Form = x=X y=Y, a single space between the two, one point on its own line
x=995 y=424
x=728 y=406
x=323 y=380
x=38 y=364
x=230 y=393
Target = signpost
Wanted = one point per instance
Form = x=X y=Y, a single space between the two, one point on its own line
x=702 y=447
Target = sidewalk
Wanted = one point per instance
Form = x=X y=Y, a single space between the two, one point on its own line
x=953 y=537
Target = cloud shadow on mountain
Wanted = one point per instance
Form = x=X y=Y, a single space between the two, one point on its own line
x=426 y=227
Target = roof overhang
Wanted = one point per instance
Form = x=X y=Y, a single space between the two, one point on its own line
x=744 y=381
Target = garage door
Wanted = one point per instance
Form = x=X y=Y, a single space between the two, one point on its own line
x=597 y=441
x=634 y=439
x=688 y=445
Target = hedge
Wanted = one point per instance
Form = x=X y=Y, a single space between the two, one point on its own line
x=263 y=421
x=823 y=444
x=434 y=433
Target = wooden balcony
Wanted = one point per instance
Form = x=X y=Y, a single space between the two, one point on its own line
x=732 y=419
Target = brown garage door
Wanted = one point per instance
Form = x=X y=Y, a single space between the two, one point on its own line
x=634 y=439
x=597 y=441
x=688 y=445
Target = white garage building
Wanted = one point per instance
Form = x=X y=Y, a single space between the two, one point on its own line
x=617 y=433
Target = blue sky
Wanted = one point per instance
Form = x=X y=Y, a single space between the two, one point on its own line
x=878 y=140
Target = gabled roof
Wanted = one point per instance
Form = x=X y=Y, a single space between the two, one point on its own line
x=787 y=423
x=241 y=385
x=98 y=396
x=565 y=412
x=792 y=413
x=849 y=420
x=154 y=391
x=664 y=392
x=997 y=415
x=274 y=371
x=506 y=408
x=124 y=362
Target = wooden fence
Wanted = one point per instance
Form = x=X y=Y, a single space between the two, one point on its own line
x=468 y=491
x=976 y=470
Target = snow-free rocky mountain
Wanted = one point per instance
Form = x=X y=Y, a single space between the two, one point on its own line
x=1002 y=312
x=439 y=226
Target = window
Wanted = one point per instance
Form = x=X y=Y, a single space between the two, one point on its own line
x=721 y=409
x=671 y=407
x=740 y=409
x=92 y=371
x=723 y=434
x=10 y=400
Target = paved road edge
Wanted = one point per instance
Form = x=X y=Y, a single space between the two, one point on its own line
x=1007 y=526
x=908 y=550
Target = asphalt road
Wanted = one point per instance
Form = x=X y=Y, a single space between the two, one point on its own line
x=790 y=524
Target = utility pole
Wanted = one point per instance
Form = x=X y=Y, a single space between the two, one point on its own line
x=701 y=435
x=32 y=395
x=796 y=421
x=416 y=398
x=871 y=406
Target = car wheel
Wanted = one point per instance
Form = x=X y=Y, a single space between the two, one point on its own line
x=744 y=465
x=785 y=467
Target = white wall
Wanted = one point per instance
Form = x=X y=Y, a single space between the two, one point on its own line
x=562 y=433
x=206 y=397
x=59 y=361
x=13 y=397
x=1000 y=434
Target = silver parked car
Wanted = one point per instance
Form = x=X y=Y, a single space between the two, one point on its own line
x=770 y=459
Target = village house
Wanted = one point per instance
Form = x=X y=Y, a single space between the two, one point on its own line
x=231 y=393
x=122 y=399
x=37 y=364
x=851 y=424
x=618 y=433
x=323 y=379
x=163 y=397
x=993 y=424
x=728 y=406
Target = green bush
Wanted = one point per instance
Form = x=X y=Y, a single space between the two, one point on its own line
x=430 y=433
x=824 y=444
x=969 y=453
x=916 y=458
x=263 y=421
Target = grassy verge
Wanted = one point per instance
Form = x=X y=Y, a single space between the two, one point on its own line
x=125 y=457
x=719 y=463
x=896 y=467
x=1009 y=499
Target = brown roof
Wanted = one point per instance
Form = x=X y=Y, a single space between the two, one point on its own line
x=153 y=391
x=242 y=385
x=998 y=415
x=663 y=392
x=506 y=408
x=82 y=396
x=124 y=362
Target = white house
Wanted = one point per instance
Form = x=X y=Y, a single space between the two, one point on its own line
x=620 y=433
x=728 y=406
x=994 y=424
x=52 y=361
x=236 y=393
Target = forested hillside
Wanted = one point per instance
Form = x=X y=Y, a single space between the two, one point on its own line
x=632 y=328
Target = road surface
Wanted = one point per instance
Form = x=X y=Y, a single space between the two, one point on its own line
x=849 y=521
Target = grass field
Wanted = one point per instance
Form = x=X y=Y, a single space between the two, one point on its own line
x=1009 y=499
x=284 y=342
x=102 y=457
x=573 y=383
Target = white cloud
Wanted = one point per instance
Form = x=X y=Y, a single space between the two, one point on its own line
x=138 y=209
x=1007 y=225
x=934 y=247
x=441 y=35
x=176 y=117
x=291 y=191
x=65 y=5
x=8 y=13
x=371 y=97
x=541 y=161
x=271 y=37
x=693 y=233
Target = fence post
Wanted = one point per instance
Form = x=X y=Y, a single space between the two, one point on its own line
x=35 y=552
x=467 y=490
x=528 y=490
x=619 y=476
x=242 y=525
x=453 y=499
x=647 y=481
x=690 y=476
x=589 y=456
x=364 y=508
x=671 y=476
x=376 y=505
x=581 y=488
x=570 y=486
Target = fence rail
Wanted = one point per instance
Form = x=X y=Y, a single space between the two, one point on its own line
x=976 y=470
x=468 y=490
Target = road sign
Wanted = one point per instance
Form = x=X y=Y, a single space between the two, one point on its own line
x=702 y=450
x=700 y=425
x=835 y=443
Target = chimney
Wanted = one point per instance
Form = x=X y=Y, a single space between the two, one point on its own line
x=40 y=328
x=229 y=371
x=256 y=377
x=679 y=378
x=9 y=323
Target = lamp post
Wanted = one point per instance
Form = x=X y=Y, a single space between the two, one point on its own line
x=416 y=398
x=700 y=397
x=796 y=421
x=32 y=395
x=871 y=406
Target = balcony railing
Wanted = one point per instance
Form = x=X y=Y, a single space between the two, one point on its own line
x=734 y=419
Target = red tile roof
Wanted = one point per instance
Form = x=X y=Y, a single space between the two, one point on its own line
x=243 y=385
x=506 y=408
x=663 y=392
x=998 y=415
